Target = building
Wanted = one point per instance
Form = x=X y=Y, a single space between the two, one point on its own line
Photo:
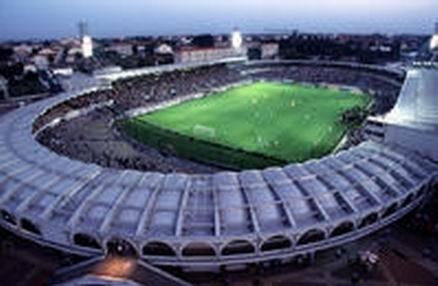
x=163 y=49
x=234 y=49
x=41 y=62
x=269 y=51
x=194 y=55
x=72 y=54
x=23 y=51
x=163 y=54
x=122 y=49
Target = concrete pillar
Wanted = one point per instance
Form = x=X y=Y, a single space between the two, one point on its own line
x=312 y=257
x=4 y=88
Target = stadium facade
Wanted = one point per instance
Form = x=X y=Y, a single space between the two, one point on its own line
x=204 y=221
x=413 y=122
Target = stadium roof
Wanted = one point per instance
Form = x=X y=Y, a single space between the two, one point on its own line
x=63 y=197
x=56 y=190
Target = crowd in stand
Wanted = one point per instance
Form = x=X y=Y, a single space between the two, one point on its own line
x=158 y=88
x=93 y=138
x=384 y=91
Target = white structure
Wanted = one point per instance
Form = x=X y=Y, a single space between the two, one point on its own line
x=413 y=122
x=418 y=100
x=65 y=71
x=4 y=87
x=434 y=44
x=87 y=47
x=236 y=40
x=86 y=40
x=163 y=49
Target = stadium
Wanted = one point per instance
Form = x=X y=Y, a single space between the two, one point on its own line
x=78 y=175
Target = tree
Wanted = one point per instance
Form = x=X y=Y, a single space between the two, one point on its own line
x=5 y=54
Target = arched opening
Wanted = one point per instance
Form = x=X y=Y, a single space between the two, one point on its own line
x=311 y=236
x=158 y=249
x=8 y=217
x=369 y=219
x=407 y=201
x=238 y=247
x=276 y=243
x=198 y=249
x=120 y=247
x=342 y=228
x=390 y=210
x=85 y=240
x=28 y=226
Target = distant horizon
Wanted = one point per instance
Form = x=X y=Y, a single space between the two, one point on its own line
x=22 y=20
x=127 y=36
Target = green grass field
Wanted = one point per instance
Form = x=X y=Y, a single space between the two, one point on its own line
x=269 y=122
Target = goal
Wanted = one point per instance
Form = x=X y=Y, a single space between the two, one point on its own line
x=204 y=131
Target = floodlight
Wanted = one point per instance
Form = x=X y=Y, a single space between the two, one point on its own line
x=87 y=47
x=236 y=40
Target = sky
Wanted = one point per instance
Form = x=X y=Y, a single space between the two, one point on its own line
x=36 y=19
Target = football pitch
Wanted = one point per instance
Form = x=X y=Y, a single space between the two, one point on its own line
x=253 y=125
